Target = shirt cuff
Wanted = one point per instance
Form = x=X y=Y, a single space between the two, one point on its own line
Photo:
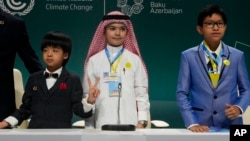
x=143 y=115
x=12 y=121
x=86 y=106
x=240 y=115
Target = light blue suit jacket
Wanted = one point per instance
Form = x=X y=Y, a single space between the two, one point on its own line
x=202 y=104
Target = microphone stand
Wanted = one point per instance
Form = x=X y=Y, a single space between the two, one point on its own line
x=119 y=126
x=119 y=99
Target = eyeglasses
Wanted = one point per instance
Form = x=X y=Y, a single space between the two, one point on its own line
x=211 y=24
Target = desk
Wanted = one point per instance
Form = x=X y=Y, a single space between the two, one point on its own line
x=98 y=135
x=183 y=135
x=40 y=134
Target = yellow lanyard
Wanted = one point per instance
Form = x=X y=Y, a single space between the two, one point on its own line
x=115 y=65
x=214 y=66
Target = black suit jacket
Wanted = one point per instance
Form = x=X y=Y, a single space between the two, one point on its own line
x=13 y=39
x=52 y=108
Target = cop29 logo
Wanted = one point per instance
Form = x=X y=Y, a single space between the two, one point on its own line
x=136 y=8
x=17 y=7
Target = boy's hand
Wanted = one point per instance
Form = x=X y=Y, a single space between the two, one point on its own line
x=140 y=126
x=232 y=111
x=199 y=128
x=93 y=91
x=4 y=124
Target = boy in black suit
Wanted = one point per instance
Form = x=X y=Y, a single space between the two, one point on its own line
x=52 y=95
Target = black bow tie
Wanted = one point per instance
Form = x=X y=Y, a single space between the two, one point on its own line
x=54 y=75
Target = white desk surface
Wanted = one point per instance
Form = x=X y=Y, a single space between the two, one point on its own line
x=183 y=135
x=166 y=134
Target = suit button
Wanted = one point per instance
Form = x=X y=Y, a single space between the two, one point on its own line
x=215 y=112
x=215 y=96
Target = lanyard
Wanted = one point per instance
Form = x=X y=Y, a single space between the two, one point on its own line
x=117 y=57
x=214 y=61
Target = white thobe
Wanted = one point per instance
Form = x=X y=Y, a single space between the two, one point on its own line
x=134 y=100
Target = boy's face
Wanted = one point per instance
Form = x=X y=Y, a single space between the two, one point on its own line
x=53 y=57
x=213 y=28
x=116 y=34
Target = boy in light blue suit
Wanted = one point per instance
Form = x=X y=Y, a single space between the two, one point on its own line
x=213 y=86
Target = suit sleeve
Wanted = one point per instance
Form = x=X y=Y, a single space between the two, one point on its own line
x=243 y=85
x=182 y=93
x=24 y=111
x=24 y=49
x=77 y=96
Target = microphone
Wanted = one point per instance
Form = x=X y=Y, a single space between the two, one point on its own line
x=119 y=126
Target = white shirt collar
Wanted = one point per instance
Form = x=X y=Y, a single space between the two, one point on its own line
x=112 y=49
x=58 y=71
x=217 y=51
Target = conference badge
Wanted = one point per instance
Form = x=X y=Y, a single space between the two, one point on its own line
x=226 y=62
x=128 y=65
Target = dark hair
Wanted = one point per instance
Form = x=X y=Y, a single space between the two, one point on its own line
x=209 y=10
x=57 y=39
